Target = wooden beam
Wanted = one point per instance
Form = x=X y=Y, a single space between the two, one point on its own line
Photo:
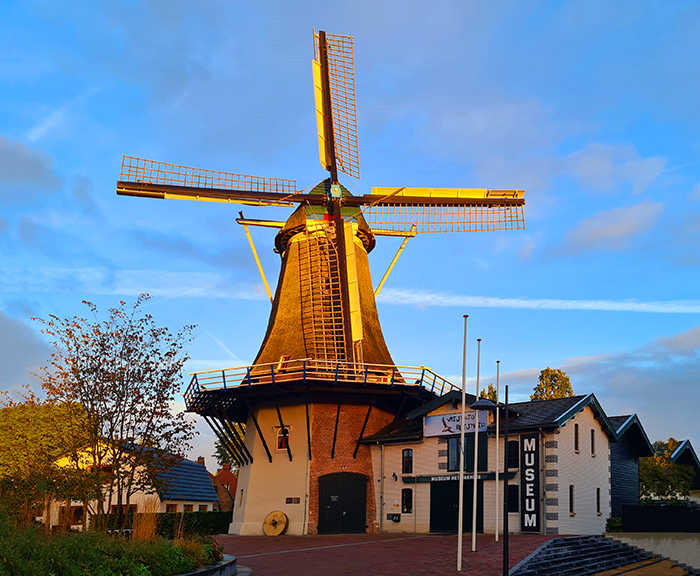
x=257 y=427
x=357 y=446
x=283 y=429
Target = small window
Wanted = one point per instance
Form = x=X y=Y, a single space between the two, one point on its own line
x=172 y=508
x=407 y=500
x=282 y=438
x=572 y=507
x=513 y=498
x=592 y=442
x=407 y=461
x=576 y=438
x=597 y=502
x=189 y=507
x=513 y=454
x=240 y=499
x=203 y=508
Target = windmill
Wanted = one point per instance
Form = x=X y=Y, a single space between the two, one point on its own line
x=324 y=344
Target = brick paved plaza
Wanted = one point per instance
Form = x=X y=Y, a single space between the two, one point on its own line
x=374 y=555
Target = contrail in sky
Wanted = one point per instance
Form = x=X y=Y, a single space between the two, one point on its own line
x=414 y=298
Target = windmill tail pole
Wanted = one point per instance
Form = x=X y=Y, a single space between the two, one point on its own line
x=391 y=266
x=257 y=260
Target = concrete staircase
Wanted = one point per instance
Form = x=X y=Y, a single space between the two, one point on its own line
x=582 y=556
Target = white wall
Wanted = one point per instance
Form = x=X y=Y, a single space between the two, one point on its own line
x=267 y=485
x=585 y=472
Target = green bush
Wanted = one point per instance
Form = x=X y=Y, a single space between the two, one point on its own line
x=613 y=525
x=27 y=552
x=174 y=524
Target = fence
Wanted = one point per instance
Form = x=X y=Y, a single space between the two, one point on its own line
x=660 y=519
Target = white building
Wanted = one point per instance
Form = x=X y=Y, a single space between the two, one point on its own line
x=565 y=443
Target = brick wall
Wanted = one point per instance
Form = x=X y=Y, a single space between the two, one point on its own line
x=322 y=427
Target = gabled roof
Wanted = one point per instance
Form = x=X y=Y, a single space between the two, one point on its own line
x=399 y=430
x=188 y=481
x=454 y=396
x=556 y=412
x=685 y=454
x=630 y=427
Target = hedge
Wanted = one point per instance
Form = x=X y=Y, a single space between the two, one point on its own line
x=170 y=524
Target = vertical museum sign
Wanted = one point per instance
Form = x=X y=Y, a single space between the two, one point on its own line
x=529 y=483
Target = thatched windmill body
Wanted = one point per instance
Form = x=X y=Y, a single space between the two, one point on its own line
x=323 y=378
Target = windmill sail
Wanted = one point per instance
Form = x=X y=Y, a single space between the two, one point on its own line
x=150 y=178
x=341 y=76
x=395 y=211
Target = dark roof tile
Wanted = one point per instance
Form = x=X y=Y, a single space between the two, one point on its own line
x=188 y=481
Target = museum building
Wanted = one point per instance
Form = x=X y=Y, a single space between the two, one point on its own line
x=559 y=467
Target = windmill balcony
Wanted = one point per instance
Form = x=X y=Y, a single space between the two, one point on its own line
x=308 y=369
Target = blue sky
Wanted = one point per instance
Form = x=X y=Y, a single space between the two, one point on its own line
x=591 y=107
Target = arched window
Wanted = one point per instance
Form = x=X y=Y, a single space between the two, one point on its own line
x=407 y=461
x=282 y=438
x=576 y=438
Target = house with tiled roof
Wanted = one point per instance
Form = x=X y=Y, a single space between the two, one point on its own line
x=558 y=466
x=186 y=488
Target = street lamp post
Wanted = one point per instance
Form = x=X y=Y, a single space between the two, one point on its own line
x=505 y=488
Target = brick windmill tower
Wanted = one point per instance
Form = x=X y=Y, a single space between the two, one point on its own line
x=323 y=378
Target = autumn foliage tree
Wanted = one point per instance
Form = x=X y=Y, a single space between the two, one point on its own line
x=124 y=371
x=661 y=479
x=489 y=394
x=553 y=383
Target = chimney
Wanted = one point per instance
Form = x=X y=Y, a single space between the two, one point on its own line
x=200 y=460
x=227 y=467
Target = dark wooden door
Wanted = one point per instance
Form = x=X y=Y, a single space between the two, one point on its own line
x=444 y=506
x=342 y=503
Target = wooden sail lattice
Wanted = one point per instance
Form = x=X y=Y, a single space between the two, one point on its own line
x=144 y=171
x=321 y=304
x=341 y=72
x=431 y=218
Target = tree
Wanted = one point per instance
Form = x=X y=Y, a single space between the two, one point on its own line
x=662 y=479
x=124 y=372
x=489 y=394
x=34 y=434
x=553 y=383
x=222 y=454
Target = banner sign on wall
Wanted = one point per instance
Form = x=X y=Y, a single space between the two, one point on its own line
x=529 y=483
x=448 y=424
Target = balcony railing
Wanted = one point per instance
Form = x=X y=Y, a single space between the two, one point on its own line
x=316 y=370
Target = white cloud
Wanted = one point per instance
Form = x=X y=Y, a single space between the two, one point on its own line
x=22 y=167
x=417 y=298
x=695 y=193
x=606 y=168
x=613 y=229
x=22 y=352
x=126 y=282
x=52 y=120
